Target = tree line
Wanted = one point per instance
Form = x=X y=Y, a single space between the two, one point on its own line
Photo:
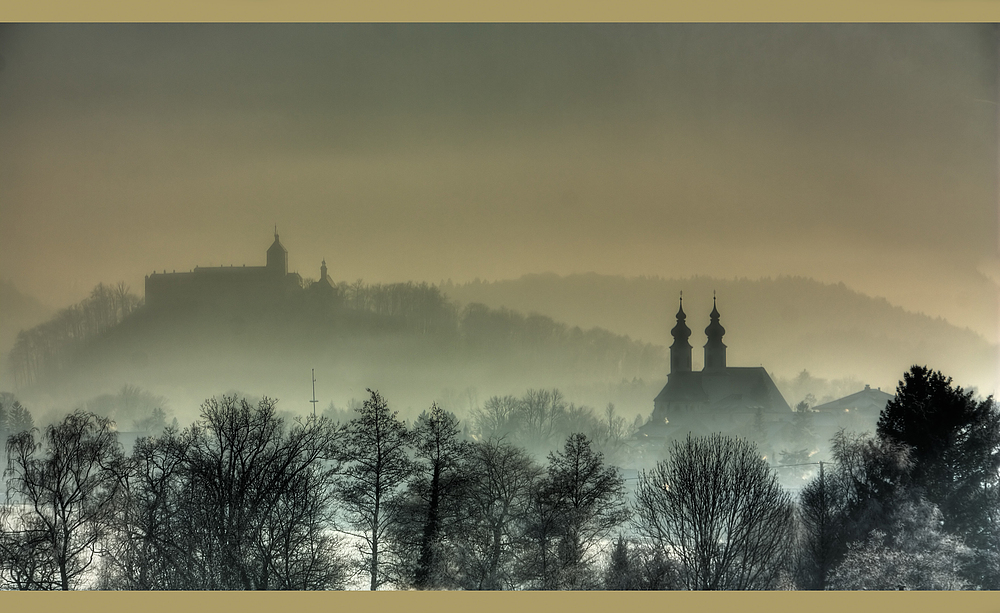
x=541 y=418
x=406 y=310
x=50 y=346
x=242 y=499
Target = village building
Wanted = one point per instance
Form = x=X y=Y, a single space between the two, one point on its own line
x=858 y=412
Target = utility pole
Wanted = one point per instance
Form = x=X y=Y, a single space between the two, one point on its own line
x=314 y=401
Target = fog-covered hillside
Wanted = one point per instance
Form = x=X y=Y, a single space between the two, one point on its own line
x=406 y=340
x=787 y=324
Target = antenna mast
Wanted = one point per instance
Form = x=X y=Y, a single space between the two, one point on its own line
x=314 y=401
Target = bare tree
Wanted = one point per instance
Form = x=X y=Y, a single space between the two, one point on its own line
x=147 y=548
x=715 y=504
x=502 y=478
x=577 y=506
x=497 y=417
x=66 y=485
x=540 y=416
x=256 y=486
x=441 y=481
x=237 y=501
x=378 y=467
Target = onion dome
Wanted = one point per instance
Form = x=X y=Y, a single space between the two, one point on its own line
x=715 y=329
x=681 y=332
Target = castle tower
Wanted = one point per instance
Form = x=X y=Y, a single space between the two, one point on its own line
x=715 y=350
x=680 y=351
x=277 y=256
x=324 y=280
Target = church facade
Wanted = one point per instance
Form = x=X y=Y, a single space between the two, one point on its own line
x=226 y=285
x=718 y=394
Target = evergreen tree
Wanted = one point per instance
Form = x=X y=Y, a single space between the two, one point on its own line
x=954 y=442
x=620 y=574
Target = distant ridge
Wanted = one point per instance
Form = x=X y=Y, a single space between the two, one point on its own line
x=787 y=323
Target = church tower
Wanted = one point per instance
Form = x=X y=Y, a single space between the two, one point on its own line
x=715 y=350
x=277 y=256
x=680 y=351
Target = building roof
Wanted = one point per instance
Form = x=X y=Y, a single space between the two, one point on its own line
x=277 y=247
x=732 y=389
x=865 y=401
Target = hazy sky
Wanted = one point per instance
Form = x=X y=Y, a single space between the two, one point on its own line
x=858 y=153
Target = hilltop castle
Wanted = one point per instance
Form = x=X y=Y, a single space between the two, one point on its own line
x=698 y=400
x=223 y=285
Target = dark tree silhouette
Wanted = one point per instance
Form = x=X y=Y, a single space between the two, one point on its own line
x=64 y=487
x=146 y=549
x=579 y=503
x=433 y=510
x=487 y=548
x=820 y=517
x=864 y=512
x=377 y=470
x=634 y=566
x=716 y=505
x=955 y=447
x=236 y=501
x=620 y=573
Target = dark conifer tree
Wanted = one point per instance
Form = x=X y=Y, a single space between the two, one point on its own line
x=954 y=442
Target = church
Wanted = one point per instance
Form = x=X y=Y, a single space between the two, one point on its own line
x=216 y=286
x=717 y=397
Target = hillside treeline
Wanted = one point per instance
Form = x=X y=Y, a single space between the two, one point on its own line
x=242 y=499
x=51 y=346
x=110 y=326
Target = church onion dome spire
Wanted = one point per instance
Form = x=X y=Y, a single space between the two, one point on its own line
x=681 y=332
x=715 y=349
x=715 y=330
x=680 y=351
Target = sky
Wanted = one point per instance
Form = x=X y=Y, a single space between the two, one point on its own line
x=856 y=153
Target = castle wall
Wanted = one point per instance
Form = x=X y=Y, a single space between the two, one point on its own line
x=220 y=286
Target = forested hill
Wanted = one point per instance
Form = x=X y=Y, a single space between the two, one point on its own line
x=787 y=324
x=406 y=338
x=17 y=311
